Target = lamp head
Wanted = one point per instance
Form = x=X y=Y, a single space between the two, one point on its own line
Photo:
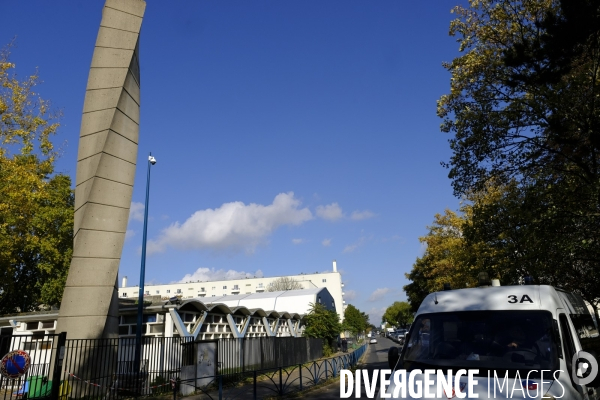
x=152 y=160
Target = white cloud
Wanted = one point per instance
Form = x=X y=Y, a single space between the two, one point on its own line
x=360 y=215
x=136 y=211
x=297 y=241
x=233 y=225
x=210 y=274
x=330 y=212
x=129 y=233
x=350 y=295
x=379 y=294
x=359 y=243
x=326 y=242
x=350 y=248
x=375 y=315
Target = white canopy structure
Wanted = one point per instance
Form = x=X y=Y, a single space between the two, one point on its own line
x=292 y=301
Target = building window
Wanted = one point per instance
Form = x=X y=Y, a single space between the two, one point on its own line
x=236 y=287
x=178 y=290
x=124 y=295
x=224 y=287
x=248 y=284
x=190 y=288
x=213 y=295
x=214 y=287
x=158 y=292
x=324 y=280
x=147 y=293
x=202 y=289
x=260 y=285
x=149 y=317
x=224 y=294
x=319 y=299
x=168 y=290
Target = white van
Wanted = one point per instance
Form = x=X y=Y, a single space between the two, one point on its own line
x=510 y=332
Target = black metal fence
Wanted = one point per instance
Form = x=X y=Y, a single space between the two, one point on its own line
x=31 y=365
x=249 y=354
x=273 y=382
x=103 y=368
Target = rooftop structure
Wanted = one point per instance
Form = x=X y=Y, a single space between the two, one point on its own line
x=209 y=291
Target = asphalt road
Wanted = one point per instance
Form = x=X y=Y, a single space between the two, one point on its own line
x=375 y=358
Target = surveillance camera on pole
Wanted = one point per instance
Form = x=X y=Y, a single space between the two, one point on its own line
x=152 y=160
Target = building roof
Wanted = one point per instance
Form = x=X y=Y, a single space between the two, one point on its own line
x=296 y=301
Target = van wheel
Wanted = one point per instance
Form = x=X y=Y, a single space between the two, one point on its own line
x=393 y=357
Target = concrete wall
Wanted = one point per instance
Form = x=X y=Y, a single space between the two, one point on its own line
x=106 y=164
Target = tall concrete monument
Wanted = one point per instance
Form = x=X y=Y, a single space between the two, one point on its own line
x=106 y=161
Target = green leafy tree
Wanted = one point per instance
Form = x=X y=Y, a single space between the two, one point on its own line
x=531 y=235
x=525 y=120
x=398 y=314
x=456 y=252
x=322 y=323
x=355 y=321
x=503 y=231
x=446 y=260
x=365 y=317
x=36 y=205
x=511 y=117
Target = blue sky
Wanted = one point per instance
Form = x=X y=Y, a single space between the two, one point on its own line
x=287 y=134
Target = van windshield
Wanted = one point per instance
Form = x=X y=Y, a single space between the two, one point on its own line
x=486 y=340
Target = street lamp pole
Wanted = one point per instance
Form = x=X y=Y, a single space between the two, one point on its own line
x=140 y=314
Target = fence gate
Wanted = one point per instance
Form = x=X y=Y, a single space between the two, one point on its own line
x=30 y=365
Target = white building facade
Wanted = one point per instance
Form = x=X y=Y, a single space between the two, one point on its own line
x=276 y=314
x=223 y=288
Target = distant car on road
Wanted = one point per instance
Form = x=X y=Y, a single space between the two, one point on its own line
x=373 y=340
x=398 y=336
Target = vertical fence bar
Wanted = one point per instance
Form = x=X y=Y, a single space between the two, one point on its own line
x=300 y=370
x=254 y=385
x=220 y=387
x=74 y=367
x=243 y=353
x=58 y=361
x=280 y=381
x=94 y=372
x=262 y=354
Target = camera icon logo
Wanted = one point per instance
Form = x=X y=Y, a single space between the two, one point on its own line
x=584 y=371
